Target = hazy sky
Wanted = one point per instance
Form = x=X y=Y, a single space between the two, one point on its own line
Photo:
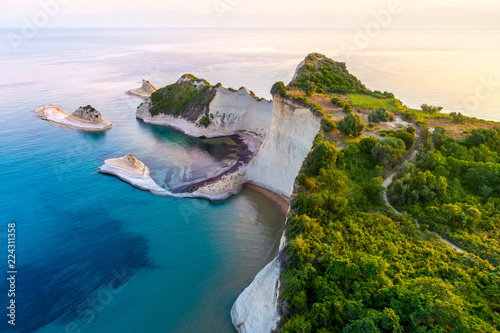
x=245 y=12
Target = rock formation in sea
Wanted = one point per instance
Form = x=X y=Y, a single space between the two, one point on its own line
x=84 y=118
x=144 y=91
x=130 y=169
x=88 y=113
x=279 y=133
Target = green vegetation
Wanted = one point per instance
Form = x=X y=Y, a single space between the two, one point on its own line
x=431 y=109
x=407 y=135
x=457 y=117
x=381 y=115
x=338 y=102
x=388 y=152
x=353 y=266
x=372 y=103
x=327 y=76
x=351 y=125
x=188 y=98
x=454 y=189
x=205 y=121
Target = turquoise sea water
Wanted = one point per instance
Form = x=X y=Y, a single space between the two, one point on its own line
x=97 y=255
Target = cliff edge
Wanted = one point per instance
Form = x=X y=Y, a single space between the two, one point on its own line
x=255 y=310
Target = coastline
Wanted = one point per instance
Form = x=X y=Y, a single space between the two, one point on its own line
x=277 y=199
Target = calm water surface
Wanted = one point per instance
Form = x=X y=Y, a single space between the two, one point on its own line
x=94 y=253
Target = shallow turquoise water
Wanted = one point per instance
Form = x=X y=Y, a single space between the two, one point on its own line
x=181 y=262
x=81 y=235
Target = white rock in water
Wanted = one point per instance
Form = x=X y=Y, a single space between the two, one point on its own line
x=256 y=309
x=144 y=91
x=131 y=170
x=85 y=118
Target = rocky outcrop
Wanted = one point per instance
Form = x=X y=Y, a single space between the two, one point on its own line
x=228 y=112
x=88 y=113
x=255 y=310
x=291 y=136
x=144 y=91
x=283 y=133
x=85 y=118
x=133 y=171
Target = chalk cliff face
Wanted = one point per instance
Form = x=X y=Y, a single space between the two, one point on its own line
x=255 y=310
x=291 y=136
x=228 y=112
x=283 y=132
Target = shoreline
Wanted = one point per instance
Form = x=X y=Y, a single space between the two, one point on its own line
x=245 y=155
x=276 y=199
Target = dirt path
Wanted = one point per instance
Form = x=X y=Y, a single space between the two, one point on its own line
x=411 y=156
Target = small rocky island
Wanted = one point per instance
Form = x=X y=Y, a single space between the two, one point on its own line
x=128 y=168
x=144 y=91
x=86 y=118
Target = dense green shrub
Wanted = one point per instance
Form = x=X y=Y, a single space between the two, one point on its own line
x=388 y=151
x=205 y=121
x=351 y=125
x=407 y=138
x=323 y=156
x=381 y=115
x=431 y=109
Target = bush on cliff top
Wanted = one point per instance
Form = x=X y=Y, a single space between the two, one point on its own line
x=183 y=99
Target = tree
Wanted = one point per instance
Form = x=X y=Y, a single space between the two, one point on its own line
x=379 y=115
x=432 y=109
x=351 y=125
x=388 y=151
x=323 y=156
x=407 y=138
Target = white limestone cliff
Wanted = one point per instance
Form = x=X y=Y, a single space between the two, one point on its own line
x=230 y=112
x=291 y=136
x=255 y=310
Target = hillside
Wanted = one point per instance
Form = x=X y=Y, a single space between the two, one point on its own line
x=352 y=264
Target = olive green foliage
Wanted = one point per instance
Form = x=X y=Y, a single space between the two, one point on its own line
x=323 y=156
x=279 y=88
x=411 y=129
x=338 y=102
x=455 y=188
x=352 y=266
x=380 y=115
x=351 y=125
x=205 y=121
x=183 y=99
x=407 y=135
x=431 y=109
x=321 y=73
x=328 y=125
x=388 y=151
x=347 y=108
x=458 y=117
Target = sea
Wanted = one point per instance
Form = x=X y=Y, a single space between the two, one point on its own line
x=94 y=254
